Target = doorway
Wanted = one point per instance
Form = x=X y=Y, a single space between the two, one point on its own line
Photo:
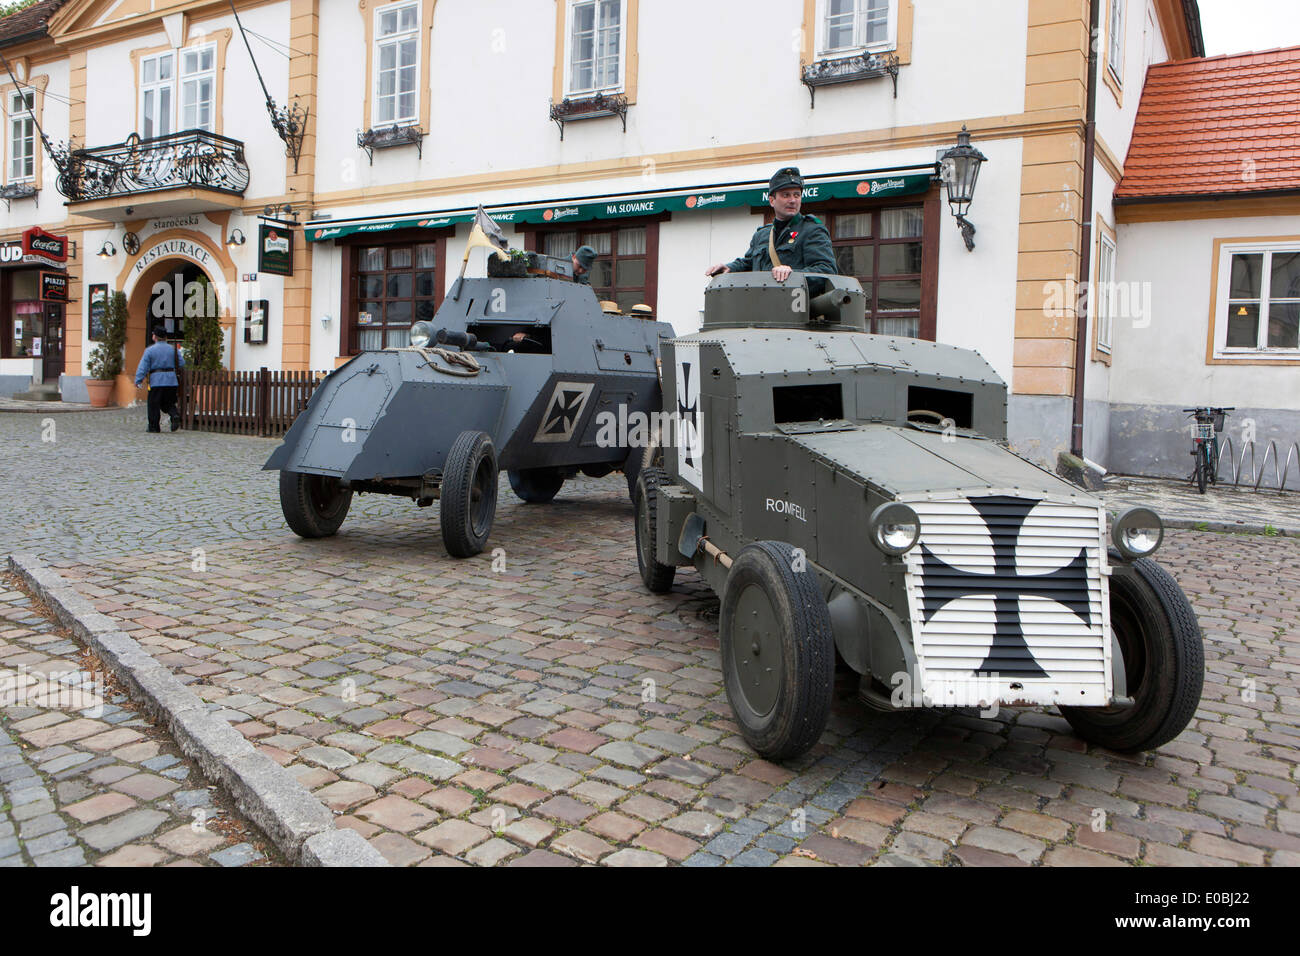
x=52 y=343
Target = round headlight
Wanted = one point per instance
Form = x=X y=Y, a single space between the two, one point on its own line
x=1137 y=533
x=421 y=335
x=895 y=528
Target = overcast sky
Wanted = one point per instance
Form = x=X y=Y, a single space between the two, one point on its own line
x=1239 y=26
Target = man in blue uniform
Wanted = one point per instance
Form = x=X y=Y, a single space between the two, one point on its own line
x=160 y=362
x=792 y=243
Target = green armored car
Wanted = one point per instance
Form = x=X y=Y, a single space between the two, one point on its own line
x=851 y=493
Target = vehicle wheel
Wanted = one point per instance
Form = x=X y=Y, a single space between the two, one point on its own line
x=1202 y=471
x=313 y=505
x=1164 y=661
x=536 y=485
x=778 y=653
x=632 y=469
x=469 y=494
x=658 y=577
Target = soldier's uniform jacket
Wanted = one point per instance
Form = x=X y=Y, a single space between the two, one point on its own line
x=584 y=279
x=803 y=244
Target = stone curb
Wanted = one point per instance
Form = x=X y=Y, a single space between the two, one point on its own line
x=1231 y=527
x=299 y=824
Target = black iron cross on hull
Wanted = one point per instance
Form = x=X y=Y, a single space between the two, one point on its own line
x=1009 y=654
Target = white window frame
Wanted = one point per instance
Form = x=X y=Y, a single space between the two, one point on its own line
x=1115 y=18
x=156 y=87
x=1104 y=294
x=183 y=79
x=621 y=85
x=17 y=113
x=822 y=26
x=396 y=39
x=1223 y=287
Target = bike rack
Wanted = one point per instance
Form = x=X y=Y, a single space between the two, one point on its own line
x=1281 y=472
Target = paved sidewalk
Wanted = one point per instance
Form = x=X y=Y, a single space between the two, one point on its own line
x=83 y=777
x=1221 y=508
x=549 y=711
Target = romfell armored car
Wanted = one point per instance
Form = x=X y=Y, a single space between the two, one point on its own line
x=848 y=494
x=510 y=374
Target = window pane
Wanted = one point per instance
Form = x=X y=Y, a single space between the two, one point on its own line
x=406 y=106
x=584 y=17
x=424 y=310
x=372 y=259
x=854 y=261
x=398 y=313
x=189 y=62
x=150 y=71
x=900 y=296
x=631 y=272
x=1285 y=281
x=371 y=286
x=600 y=241
x=1284 y=325
x=398 y=338
x=582 y=76
x=387 y=22
x=853 y=226
x=631 y=242
x=408 y=18
x=370 y=313
x=370 y=340
x=205 y=59
x=1243 y=325
x=424 y=283
x=399 y=258
x=388 y=58
x=164 y=111
x=1246 y=271
x=559 y=244
x=426 y=256
x=408 y=52
x=908 y=327
x=399 y=285
x=165 y=67
x=901 y=257
x=904 y=223
x=602 y=274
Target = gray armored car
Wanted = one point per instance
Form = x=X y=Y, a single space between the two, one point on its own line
x=511 y=374
x=853 y=493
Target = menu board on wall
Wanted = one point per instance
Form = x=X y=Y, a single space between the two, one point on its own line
x=98 y=310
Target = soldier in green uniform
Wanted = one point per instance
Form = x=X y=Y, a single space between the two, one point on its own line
x=792 y=243
x=583 y=258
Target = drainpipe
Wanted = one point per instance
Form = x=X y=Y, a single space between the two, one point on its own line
x=1085 y=258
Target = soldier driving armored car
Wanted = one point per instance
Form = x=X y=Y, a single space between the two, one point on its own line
x=791 y=243
x=852 y=494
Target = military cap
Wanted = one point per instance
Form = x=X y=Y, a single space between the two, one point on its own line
x=585 y=256
x=783 y=177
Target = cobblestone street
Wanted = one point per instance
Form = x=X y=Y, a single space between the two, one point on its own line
x=537 y=706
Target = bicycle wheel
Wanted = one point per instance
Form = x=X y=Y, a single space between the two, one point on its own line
x=1202 y=469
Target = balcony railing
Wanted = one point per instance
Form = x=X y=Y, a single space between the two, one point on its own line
x=193 y=158
x=848 y=69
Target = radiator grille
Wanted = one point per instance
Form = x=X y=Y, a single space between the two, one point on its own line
x=1012 y=586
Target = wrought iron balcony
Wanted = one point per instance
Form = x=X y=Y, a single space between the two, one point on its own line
x=848 y=69
x=589 y=107
x=191 y=159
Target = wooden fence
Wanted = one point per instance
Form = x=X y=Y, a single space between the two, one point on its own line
x=244 y=403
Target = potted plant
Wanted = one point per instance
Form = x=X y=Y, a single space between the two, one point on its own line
x=106 y=361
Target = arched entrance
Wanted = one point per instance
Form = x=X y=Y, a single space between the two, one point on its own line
x=170 y=292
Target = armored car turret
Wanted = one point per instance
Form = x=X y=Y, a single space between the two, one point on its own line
x=854 y=493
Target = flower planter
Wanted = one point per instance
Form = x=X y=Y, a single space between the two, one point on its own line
x=101 y=392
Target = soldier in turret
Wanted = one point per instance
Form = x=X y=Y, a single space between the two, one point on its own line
x=792 y=242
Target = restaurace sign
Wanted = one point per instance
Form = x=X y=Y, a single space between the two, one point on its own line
x=173 y=247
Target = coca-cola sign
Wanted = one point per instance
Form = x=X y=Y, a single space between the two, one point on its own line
x=43 y=245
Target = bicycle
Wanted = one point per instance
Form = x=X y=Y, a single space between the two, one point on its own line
x=1205 y=443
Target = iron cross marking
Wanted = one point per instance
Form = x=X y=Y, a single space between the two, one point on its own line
x=562 y=416
x=687 y=413
x=1068 y=586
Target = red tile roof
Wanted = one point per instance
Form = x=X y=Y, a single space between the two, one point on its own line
x=1209 y=127
x=27 y=23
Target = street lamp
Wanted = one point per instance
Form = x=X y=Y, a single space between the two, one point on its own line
x=236 y=238
x=960 y=168
x=107 y=250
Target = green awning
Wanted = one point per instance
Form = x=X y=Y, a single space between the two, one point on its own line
x=644 y=204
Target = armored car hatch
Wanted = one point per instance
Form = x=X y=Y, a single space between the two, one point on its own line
x=512 y=373
x=853 y=493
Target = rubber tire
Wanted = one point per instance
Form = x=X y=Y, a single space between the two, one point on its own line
x=632 y=470
x=301 y=501
x=462 y=534
x=803 y=704
x=536 y=486
x=1201 y=469
x=658 y=578
x=1168 y=690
